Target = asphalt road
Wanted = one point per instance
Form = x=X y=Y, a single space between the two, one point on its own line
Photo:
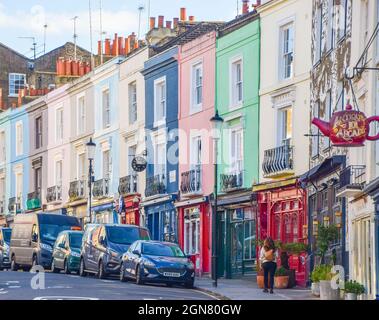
x=18 y=286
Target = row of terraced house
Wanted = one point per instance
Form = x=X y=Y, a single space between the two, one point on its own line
x=267 y=74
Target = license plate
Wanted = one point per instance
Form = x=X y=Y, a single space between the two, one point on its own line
x=171 y=274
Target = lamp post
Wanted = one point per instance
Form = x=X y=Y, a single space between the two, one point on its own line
x=91 y=146
x=217 y=122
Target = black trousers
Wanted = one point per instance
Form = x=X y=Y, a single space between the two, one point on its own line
x=269 y=268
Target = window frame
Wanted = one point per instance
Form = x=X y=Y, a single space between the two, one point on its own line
x=195 y=106
x=282 y=125
x=80 y=115
x=59 y=124
x=133 y=104
x=289 y=24
x=233 y=168
x=19 y=138
x=39 y=132
x=234 y=103
x=106 y=109
x=158 y=83
x=10 y=91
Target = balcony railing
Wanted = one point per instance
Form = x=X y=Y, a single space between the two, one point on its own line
x=14 y=204
x=278 y=161
x=2 y=206
x=101 y=188
x=127 y=184
x=54 y=194
x=352 y=181
x=34 y=200
x=155 y=185
x=231 y=181
x=77 y=190
x=191 y=181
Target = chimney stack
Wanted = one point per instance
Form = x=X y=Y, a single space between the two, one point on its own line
x=183 y=14
x=152 y=23
x=127 y=45
x=176 y=22
x=1 y=98
x=168 y=24
x=160 y=21
x=191 y=18
x=107 y=49
x=99 y=47
x=245 y=6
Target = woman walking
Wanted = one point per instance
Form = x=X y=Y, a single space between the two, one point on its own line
x=267 y=258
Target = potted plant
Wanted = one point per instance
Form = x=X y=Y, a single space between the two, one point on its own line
x=315 y=277
x=281 y=278
x=325 y=277
x=353 y=289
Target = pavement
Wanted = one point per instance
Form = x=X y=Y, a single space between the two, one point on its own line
x=246 y=288
x=25 y=286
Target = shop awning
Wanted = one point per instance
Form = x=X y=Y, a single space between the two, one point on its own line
x=274 y=185
x=190 y=202
x=324 y=168
x=232 y=200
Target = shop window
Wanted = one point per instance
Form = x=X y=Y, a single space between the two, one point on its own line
x=277 y=227
x=295 y=228
x=192 y=231
x=288 y=229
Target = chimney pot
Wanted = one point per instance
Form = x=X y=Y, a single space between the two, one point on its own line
x=183 y=14
x=245 y=6
x=168 y=24
x=152 y=23
x=191 y=18
x=160 y=21
x=176 y=22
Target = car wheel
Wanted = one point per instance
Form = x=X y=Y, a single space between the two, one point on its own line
x=53 y=268
x=82 y=268
x=122 y=273
x=66 y=267
x=101 y=274
x=189 y=284
x=139 y=280
x=14 y=265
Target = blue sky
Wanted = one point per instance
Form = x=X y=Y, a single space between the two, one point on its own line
x=26 y=18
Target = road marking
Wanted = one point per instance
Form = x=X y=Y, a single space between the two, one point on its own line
x=64 y=298
x=14 y=287
x=205 y=293
x=3 y=292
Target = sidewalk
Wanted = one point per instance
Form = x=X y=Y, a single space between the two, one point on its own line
x=246 y=288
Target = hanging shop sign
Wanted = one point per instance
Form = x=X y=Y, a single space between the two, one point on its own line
x=348 y=128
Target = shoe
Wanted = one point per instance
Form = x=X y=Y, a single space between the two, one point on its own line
x=272 y=291
x=265 y=290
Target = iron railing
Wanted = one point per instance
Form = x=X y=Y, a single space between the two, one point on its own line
x=127 y=184
x=155 y=185
x=77 y=190
x=101 y=188
x=231 y=181
x=191 y=181
x=277 y=160
x=54 y=194
x=14 y=204
x=2 y=206
x=34 y=200
x=353 y=176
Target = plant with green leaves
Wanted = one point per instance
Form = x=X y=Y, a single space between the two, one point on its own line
x=281 y=272
x=354 y=287
x=324 y=272
x=294 y=248
x=326 y=236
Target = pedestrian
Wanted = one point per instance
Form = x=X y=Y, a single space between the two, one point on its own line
x=267 y=258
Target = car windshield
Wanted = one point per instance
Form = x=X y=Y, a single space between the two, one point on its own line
x=123 y=235
x=76 y=240
x=163 y=250
x=7 y=235
x=49 y=232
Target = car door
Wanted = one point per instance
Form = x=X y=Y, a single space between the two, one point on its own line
x=134 y=260
x=62 y=251
x=101 y=248
x=56 y=250
x=127 y=260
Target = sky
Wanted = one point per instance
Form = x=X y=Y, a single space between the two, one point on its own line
x=26 y=19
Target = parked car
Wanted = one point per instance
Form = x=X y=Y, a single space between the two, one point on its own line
x=66 y=252
x=33 y=237
x=159 y=262
x=5 y=238
x=103 y=246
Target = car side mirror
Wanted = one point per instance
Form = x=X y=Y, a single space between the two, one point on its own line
x=136 y=252
x=34 y=237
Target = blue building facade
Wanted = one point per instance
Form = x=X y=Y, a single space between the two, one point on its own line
x=106 y=138
x=5 y=168
x=161 y=124
x=19 y=160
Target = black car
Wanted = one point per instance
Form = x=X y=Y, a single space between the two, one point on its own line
x=5 y=239
x=103 y=246
x=157 y=262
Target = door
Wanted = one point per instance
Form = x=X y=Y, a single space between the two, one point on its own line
x=221 y=243
x=236 y=247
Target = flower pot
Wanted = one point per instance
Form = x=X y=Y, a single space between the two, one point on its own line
x=315 y=287
x=350 y=296
x=327 y=292
x=281 y=282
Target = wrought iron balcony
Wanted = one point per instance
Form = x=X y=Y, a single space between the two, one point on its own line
x=34 y=200
x=278 y=162
x=14 y=204
x=155 y=185
x=101 y=188
x=191 y=181
x=231 y=181
x=127 y=184
x=2 y=206
x=77 y=190
x=54 y=194
x=352 y=181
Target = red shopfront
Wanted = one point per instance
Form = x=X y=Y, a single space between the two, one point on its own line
x=282 y=215
x=194 y=223
x=131 y=210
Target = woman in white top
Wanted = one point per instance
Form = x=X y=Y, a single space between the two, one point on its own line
x=267 y=258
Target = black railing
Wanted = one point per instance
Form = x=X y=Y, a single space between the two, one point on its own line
x=231 y=181
x=155 y=185
x=127 y=184
x=353 y=176
x=14 y=204
x=277 y=160
x=77 y=190
x=54 y=194
x=191 y=181
x=100 y=188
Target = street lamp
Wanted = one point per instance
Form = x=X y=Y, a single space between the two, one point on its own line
x=217 y=122
x=91 y=147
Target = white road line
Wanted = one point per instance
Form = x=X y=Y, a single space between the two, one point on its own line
x=3 y=292
x=14 y=287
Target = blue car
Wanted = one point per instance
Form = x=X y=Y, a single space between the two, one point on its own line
x=157 y=262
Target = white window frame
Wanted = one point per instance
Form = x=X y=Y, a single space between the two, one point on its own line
x=234 y=103
x=58 y=125
x=13 y=93
x=318 y=38
x=194 y=150
x=280 y=139
x=233 y=168
x=80 y=114
x=132 y=103
x=78 y=175
x=109 y=172
x=56 y=180
x=130 y=159
x=158 y=83
x=157 y=159
x=331 y=23
x=19 y=185
x=106 y=110
x=38 y=137
x=19 y=138
x=3 y=150
x=196 y=107
x=282 y=55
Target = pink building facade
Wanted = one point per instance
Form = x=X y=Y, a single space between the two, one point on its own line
x=196 y=174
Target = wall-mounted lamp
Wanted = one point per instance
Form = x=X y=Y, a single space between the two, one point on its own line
x=338 y=217
x=315 y=228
